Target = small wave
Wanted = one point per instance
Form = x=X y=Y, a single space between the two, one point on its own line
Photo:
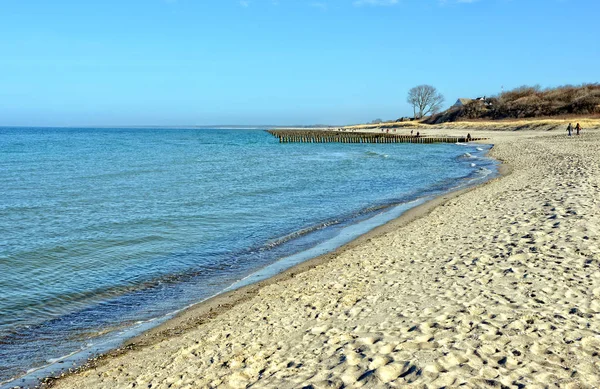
x=299 y=233
x=478 y=175
x=320 y=226
x=461 y=144
x=466 y=156
x=483 y=172
x=52 y=361
x=473 y=165
x=479 y=149
x=375 y=154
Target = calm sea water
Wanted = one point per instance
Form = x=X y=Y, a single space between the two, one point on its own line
x=103 y=228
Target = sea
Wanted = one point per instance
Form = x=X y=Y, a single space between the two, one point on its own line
x=107 y=232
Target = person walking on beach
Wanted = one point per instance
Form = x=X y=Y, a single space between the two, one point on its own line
x=570 y=129
x=411 y=132
x=468 y=137
x=577 y=128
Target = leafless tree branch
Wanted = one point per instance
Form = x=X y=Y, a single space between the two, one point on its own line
x=425 y=100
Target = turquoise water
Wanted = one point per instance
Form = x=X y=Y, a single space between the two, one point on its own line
x=103 y=228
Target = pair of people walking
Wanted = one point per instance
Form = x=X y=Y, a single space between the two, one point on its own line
x=570 y=129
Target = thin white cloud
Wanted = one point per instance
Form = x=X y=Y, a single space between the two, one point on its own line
x=324 y=5
x=445 y=2
x=320 y=5
x=359 y=3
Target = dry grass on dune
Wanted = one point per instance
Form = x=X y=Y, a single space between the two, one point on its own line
x=546 y=124
x=539 y=124
x=383 y=125
x=524 y=124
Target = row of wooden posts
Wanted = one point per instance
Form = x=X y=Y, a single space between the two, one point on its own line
x=311 y=136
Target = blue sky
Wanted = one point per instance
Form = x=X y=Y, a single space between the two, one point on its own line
x=199 y=62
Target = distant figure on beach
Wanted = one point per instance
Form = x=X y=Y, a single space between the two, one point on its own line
x=411 y=132
x=570 y=129
x=577 y=128
x=468 y=137
x=418 y=134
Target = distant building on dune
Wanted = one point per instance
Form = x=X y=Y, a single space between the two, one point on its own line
x=462 y=102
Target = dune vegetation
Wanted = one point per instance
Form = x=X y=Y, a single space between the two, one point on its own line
x=528 y=102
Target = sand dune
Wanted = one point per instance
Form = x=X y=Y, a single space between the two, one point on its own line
x=498 y=287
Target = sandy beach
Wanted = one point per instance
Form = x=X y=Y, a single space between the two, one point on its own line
x=498 y=286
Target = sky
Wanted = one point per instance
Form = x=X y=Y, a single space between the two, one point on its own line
x=205 y=62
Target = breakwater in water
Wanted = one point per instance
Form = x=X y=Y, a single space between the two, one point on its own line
x=323 y=136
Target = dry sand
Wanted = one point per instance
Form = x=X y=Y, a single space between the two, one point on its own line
x=531 y=124
x=499 y=286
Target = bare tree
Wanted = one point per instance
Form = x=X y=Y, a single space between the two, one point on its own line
x=425 y=100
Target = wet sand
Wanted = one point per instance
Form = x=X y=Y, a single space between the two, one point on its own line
x=497 y=285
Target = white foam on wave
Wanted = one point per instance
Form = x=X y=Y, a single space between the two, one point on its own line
x=484 y=172
x=479 y=149
x=373 y=154
x=473 y=165
x=52 y=361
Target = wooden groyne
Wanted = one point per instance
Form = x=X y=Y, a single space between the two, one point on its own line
x=321 y=136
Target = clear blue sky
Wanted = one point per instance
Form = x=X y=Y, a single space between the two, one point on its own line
x=195 y=62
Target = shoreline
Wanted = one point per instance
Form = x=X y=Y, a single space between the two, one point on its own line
x=497 y=285
x=213 y=307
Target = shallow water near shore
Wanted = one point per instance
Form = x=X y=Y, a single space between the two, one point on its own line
x=106 y=232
